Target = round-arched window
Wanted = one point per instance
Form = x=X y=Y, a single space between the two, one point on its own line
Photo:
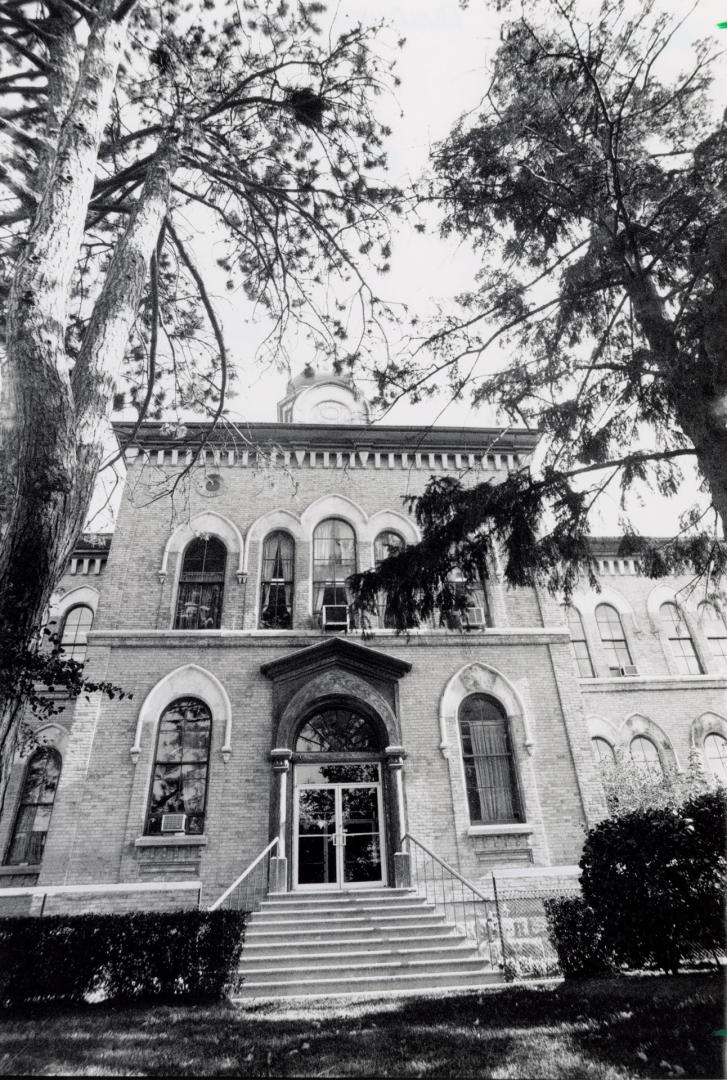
x=603 y=751
x=338 y=730
x=490 y=777
x=179 y=781
x=715 y=754
x=76 y=625
x=646 y=758
x=201 y=585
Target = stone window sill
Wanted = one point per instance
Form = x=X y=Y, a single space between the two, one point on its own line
x=499 y=830
x=171 y=841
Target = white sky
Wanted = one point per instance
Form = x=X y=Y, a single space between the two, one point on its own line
x=443 y=70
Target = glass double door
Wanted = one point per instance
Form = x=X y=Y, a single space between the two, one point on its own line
x=338 y=819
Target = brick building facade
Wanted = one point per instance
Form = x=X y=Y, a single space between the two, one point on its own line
x=256 y=713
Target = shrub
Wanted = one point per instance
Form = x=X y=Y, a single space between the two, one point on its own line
x=171 y=954
x=577 y=938
x=655 y=880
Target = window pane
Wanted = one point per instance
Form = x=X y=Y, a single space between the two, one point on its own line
x=680 y=640
x=201 y=585
x=603 y=751
x=334 y=559
x=386 y=544
x=276 y=586
x=77 y=623
x=179 y=784
x=491 y=783
x=36 y=806
x=646 y=757
x=337 y=730
x=715 y=753
x=578 y=640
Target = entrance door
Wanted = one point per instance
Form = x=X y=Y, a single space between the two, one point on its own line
x=338 y=826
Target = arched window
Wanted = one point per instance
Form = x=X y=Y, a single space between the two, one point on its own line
x=612 y=634
x=334 y=559
x=680 y=640
x=386 y=543
x=490 y=777
x=77 y=623
x=716 y=632
x=179 y=783
x=603 y=752
x=579 y=643
x=646 y=758
x=276 y=586
x=715 y=755
x=337 y=730
x=201 y=585
x=36 y=806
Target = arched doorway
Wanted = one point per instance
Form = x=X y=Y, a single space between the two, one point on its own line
x=338 y=801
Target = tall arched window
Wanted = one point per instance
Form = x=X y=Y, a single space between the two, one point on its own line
x=179 y=783
x=680 y=640
x=77 y=623
x=334 y=559
x=386 y=543
x=646 y=758
x=491 y=781
x=603 y=752
x=36 y=806
x=579 y=643
x=716 y=632
x=276 y=586
x=201 y=585
x=612 y=634
x=715 y=755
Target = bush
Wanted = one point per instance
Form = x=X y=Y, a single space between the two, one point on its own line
x=577 y=938
x=171 y=954
x=655 y=879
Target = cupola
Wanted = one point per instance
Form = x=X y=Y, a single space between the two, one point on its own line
x=322 y=397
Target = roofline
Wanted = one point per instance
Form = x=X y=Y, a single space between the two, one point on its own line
x=348 y=437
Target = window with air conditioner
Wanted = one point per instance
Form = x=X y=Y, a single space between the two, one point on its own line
x=178 y=794
x=334 y=560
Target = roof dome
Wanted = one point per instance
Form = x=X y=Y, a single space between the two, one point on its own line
x=322 y=397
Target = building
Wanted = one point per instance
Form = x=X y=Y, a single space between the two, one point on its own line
x=259 y=712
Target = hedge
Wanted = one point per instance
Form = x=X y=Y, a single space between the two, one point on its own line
x=170 y=954
x=577 y=938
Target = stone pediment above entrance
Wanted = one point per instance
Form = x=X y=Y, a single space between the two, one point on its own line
x=335 y=669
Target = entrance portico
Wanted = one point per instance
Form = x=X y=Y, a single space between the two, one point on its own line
x=338 y=793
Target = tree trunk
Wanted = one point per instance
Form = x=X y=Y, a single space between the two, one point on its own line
x=44 y=503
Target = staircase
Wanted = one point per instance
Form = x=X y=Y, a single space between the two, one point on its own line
x=356 y=942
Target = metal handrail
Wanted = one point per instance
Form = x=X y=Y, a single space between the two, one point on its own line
x=475 y=920
x=447 y=867
x=238 y=881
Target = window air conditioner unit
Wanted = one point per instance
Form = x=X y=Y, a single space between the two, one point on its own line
x=474 y=618
x=174 y=823
x=630 y=669
x=334 y=617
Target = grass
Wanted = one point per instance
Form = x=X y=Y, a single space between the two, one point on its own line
x=638 y=1026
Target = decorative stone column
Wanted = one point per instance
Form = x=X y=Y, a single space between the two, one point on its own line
x=280 y=758
x=395 y=761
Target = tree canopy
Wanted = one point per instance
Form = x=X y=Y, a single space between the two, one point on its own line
x=127 y=126
x=594 y=187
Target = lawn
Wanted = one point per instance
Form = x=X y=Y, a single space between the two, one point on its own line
x=641 y=1026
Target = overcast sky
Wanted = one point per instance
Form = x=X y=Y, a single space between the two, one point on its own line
x=443 y=69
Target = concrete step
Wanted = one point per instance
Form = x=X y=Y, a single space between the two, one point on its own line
x=365 y=984
x=364 y=969
x=317 y=896
x=313 y=948
x=343 y=951
x=355 y=917
x=365 y=931
x=320 y=911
